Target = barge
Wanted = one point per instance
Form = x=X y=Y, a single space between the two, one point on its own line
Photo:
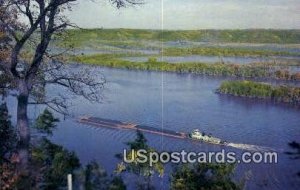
x=107 y=123
x=113 y=124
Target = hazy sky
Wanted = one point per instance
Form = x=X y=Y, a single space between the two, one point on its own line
x=190 y=14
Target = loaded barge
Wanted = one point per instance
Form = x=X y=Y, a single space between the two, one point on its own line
x=113 y=124
x=107 y=123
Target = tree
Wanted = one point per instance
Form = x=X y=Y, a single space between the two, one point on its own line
x=144 y=170
x=204 y=177
x=45 y=123
x=7 y=134
x=52 y=163
x=4 y=50
x=117 y=183
x=8 y=175
x=295 y=155
x=46 y=19
x=93 y=177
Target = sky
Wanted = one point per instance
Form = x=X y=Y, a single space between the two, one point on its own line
x=189 y=14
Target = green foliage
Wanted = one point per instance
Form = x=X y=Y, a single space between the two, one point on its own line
x=8 y=175
x=224 y=51
x=56 y=163
x=50 y=163
x=6 y=83
x=45 y=123
x=80 y=37
x=130 y=39
x=144 y=170
x=117 y=184
x=152 y=59
x=261 y=90
x=94 y=177
x=7 y=133
x=204 y=177
x=246 y=88
x=139 y=143
x=217 y=69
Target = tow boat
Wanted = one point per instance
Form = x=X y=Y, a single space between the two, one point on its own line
x=201 y=136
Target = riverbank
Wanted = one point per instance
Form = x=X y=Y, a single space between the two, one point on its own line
x=251 y=89
x=225 y=51
x=254 y=43
x=217 y=69
x=217 y=36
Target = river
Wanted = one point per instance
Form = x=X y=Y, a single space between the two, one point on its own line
x=181 y=102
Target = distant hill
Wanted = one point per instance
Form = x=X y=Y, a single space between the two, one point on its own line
x=226 y=36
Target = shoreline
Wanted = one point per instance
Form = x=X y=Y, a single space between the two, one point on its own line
x=249 y=71
x=258 y=90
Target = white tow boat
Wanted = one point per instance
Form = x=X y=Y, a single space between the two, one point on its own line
x=198 y=135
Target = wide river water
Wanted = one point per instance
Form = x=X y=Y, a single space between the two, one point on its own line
x=182 y=102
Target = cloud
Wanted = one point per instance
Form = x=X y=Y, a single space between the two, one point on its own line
x=190 y=14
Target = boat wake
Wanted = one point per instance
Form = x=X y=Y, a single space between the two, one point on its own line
x=250 y=147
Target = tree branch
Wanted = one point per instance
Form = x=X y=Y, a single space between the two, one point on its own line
x=16 y=50
x=57 y=104
x=26 y=12
x=124 y=3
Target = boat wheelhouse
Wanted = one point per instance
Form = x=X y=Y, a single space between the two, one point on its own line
x=201 y=136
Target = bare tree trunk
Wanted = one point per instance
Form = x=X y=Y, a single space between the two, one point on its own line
x=23 y=128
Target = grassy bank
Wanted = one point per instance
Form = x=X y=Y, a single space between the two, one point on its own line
x=216 y=36
x=134 y=39
x=217 y=69
x=261 y=90
x=225 y=51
